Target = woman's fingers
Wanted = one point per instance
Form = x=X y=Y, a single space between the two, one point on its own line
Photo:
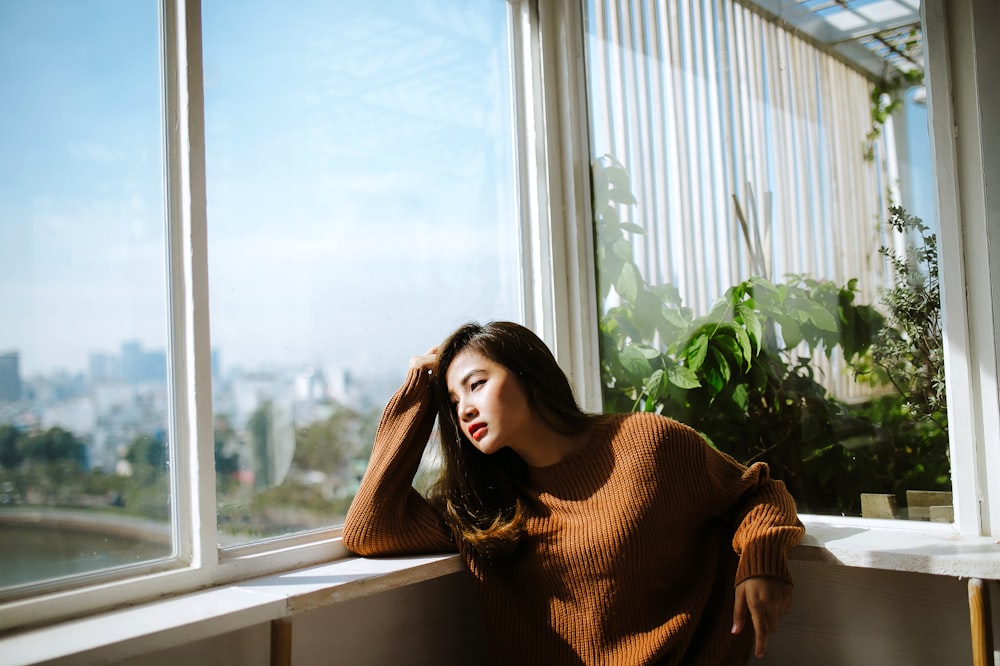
x=425 y=361
x=765 y=600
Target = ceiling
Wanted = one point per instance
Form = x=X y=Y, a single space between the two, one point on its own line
x=877 y=36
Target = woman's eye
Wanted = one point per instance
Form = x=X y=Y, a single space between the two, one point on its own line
x=476 y=384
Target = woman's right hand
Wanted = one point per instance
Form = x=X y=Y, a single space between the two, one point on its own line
x=427 y=361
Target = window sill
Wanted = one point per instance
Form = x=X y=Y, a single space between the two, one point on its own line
x=125 y=633
x=929 y=548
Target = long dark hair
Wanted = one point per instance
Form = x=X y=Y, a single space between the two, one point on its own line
x=480 y=495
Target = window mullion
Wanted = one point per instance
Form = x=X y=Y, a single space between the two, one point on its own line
x=568 y=153
x=536 y=252
x=557 y=246
x=191 y=387
x=970 y=329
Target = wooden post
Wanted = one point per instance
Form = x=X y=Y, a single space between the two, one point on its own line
x=982 y=623
x=281 y=643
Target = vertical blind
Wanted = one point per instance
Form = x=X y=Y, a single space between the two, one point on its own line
x=706 y=100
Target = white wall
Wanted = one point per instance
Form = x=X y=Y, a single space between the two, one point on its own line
x=852 y=616
x=842 y=616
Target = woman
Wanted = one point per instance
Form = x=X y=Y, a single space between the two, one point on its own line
x=612 y=539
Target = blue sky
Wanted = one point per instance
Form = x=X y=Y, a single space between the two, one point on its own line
x=361 y=201
x=81 y=233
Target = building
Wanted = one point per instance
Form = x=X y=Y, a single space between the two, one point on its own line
x=10 y=377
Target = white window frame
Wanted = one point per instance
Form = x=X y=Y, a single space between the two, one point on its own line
x=964 y=113
x=559 y=281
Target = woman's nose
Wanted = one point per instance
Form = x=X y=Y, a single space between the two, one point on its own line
x=466 y=410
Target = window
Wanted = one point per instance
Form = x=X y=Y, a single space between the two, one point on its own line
x=84 y=428
x=361 y=202
x=362 y=198
x=743 y=185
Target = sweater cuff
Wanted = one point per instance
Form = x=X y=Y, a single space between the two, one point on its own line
x=415 y=377
x=767 y=558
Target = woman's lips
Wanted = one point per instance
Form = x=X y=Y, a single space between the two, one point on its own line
x=477 y=430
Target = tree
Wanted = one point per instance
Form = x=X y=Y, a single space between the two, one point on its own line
x=53 y=446
x=259 y=427
x=227 y=459
x=10 y=447
x=148 y=456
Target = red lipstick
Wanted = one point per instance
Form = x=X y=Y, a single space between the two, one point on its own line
x=477 y=430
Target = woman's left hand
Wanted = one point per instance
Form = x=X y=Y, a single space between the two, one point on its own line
x=765 y=600
x=426 y=361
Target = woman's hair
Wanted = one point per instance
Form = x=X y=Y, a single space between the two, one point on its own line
x=480 y=495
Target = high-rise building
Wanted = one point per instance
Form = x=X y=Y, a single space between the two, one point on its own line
x=104 y=367
x=10 y=376
x=132 y=361
x=140 y=365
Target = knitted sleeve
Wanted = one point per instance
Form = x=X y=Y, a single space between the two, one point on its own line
x=762 y=511
x=388 y=516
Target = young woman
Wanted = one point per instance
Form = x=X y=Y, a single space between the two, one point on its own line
x=610 y=539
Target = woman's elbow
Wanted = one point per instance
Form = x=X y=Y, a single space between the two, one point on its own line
x=356 y=535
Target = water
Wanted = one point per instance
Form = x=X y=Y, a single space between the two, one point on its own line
x=31 y=553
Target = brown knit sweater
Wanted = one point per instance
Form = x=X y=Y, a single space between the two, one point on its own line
x=634 y=544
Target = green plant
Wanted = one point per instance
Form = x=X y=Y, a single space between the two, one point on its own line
x=910 y=349
x=742 y=374
x=909 y=354
x=886 y=94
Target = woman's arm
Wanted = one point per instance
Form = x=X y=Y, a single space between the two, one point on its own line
x=766 y=528
x=759 y=508
x=388 y=516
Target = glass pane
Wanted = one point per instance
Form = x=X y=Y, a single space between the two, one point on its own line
x=753 y=281
x=83 y=400
x=361 y=205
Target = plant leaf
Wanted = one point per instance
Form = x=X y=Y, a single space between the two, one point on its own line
x=656 y=385
x=683 y=377
x=622 y=249
x=752 y=323
x=634 y=362
x=627 y=284
x=722 y=363
x=696 y=352
x=822 y=318
x=744 y=341
x=741 y=397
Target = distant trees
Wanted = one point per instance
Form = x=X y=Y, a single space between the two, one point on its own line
x=259 y=429
x=50 y=468
x=52 y=446
x=327 y=458
x=148 y=456
x=10 y=456
x=43 y=467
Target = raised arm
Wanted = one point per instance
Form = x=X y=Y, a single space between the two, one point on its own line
x=388 y=516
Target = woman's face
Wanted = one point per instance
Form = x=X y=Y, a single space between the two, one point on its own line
x=491 y=407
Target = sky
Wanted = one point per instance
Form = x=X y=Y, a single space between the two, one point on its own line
x=360 y=179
